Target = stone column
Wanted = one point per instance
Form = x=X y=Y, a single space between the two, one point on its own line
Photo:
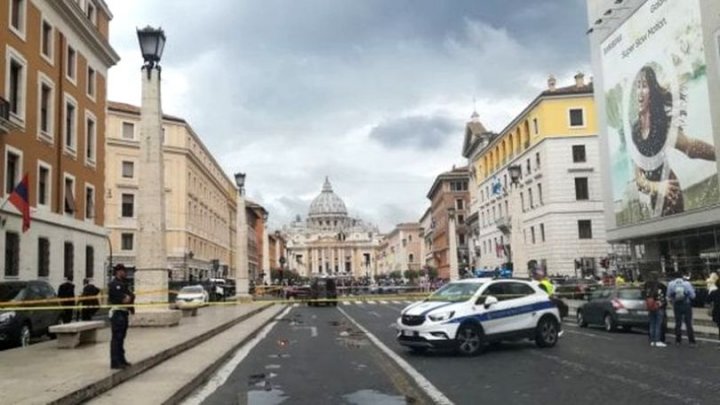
x=518 y=256
x=266 y=255
x=452 y=249
x=151 y=274
x=242 y=276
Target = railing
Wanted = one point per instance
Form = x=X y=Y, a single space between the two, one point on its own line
x=504 y=224
x=5 y=124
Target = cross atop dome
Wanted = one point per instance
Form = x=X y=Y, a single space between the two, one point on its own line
x=327 y=187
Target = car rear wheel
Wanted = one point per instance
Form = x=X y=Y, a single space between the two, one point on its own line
x=25 y=333
x=547 y=331
x=627 y=328
x=609 y=322
x=469 y=340
x=581 y=320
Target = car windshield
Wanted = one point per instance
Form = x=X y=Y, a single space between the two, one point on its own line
x=455 y=292
x=11 y=292
x=191 y=290
x=630 y=294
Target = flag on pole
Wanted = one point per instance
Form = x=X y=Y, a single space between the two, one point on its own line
x=20 y=198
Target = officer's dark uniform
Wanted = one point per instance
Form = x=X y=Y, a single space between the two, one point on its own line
x=117 y=291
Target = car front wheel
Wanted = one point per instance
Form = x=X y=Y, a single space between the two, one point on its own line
x=610 y=325
x=469 y=340
x=547 y=331
x=581 y=320
x=25 y=332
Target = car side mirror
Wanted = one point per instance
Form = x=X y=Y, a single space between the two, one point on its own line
x=490 y=301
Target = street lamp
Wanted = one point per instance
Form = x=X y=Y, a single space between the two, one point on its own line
x=152 y=44
x=515 y=172
x=242 y=282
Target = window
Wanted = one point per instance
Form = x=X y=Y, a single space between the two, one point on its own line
x=91 y=82
x=517 y=290
x=43 y=185
x=540 y=199
x=18 y=10
x=404 y=242
x=461 y=219
x=90 y=138
x=578 y=152
x=128 y=130
x=89 y=202
x=13 y=168
x=45 y=106
x=128 y=169
x=71 y=64
x=411 y=258
x=43 y=257
x=535 y=126
x=585 y=229
x=527 y=166
x=581 y=188
x=91 y=13
x=128 y=205
x=68 y=260
x=47 y=44
x=522 y=201
x=459 y=204
x=461 y=239
x=577 y=117
x=69 y=194
x=70 y=131
x=16 y=83
x=532 y=234
x=542 y=232
x=409 y=238
x=12 y=254
x=537 y=161
x=126 y=241
x=530 y=198
x=89 y=261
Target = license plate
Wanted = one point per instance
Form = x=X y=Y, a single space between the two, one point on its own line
x=642 y=312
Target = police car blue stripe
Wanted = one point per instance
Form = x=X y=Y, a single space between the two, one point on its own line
x=437 y=307
x=504 y=313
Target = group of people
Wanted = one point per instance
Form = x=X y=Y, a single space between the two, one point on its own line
x=679 y=293
x=88 y=300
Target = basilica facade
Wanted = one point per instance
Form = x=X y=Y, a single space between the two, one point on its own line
x=330 y=242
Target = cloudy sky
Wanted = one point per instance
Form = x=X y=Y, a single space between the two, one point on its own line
x=373 y=93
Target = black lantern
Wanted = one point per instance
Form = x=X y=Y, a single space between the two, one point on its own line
x=240 y=181
x=152 y=43
x=451 y=213
x=515 y=171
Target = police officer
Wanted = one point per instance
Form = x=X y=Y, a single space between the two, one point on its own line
x=120 y=297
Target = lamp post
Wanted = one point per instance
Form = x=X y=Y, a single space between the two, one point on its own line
x=242 y=281
x=452 y=246
x=151 y=275
x=516 y=254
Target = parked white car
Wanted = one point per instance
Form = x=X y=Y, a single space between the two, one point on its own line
x=192 y=295
x=468 y=314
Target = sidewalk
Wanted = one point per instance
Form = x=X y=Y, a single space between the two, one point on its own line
x=42 y=373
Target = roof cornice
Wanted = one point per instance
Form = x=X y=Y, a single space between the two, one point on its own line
x=71 y=13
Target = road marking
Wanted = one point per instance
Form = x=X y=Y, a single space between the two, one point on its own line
x=374 y=314
x=359 y=303
x=346 y=302
x=296 y=305
x=221 y=376
x=435 y=394
x=396 y=302
x=383 y=302
x=372 y=302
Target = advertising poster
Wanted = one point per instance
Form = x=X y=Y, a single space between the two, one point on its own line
x=658 y=113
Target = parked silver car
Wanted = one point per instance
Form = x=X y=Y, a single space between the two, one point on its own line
x=614 y=307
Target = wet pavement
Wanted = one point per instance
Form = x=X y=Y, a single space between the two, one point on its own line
x=316 y=356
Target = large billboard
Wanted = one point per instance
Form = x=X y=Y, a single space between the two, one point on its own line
x=659 y=127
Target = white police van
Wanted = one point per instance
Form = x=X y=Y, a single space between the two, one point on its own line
x=468 y=314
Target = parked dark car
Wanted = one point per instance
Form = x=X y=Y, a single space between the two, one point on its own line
x=17 y=327
x=297 y=292
x=323 y=289
x=576 y=288
x=614 y=307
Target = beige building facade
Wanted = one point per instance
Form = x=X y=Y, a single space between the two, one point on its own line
x=200 y=199
x=402 y=249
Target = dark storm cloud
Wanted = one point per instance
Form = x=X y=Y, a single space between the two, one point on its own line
x=420 y=132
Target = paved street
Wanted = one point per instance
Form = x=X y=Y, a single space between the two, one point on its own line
x=316 y=355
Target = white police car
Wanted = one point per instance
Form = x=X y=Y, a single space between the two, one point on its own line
x=468 y=314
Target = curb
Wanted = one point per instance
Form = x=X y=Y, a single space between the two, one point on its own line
x=204 y=375
x=94 y=389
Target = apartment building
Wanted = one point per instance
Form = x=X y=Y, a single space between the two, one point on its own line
x=401 y=249
x=558 y=197
x=200 y=199
x=449 y=197
x=54 y=59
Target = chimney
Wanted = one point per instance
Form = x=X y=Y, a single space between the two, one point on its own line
x=551 y=83
x=580 y=80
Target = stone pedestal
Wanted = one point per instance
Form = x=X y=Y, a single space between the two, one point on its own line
x=155 y=317
x=453 y=250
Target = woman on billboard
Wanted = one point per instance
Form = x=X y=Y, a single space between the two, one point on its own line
x=652 y=131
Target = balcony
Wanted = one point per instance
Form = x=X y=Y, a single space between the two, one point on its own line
x=5 y=124
x=504 y=224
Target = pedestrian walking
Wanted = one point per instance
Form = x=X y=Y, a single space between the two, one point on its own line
x=89 y=300
x=654 y=294
x=120 y=297
x=714 y=300
x=66 y=292
x=681 y=293
x=712 y=282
